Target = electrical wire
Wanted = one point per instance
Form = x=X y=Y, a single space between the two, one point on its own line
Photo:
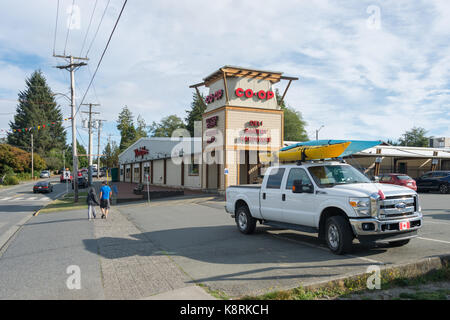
x=103 y=54
x=89 y=27
x=98 y=28
x=68 y=27
x=56 y=27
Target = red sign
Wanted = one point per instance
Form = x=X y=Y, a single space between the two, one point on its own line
x=141 y=152
x=214 y=96
x=261 y=94
x=212 y=122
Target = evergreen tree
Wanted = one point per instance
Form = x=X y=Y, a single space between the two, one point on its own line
x=37 y=107
x=141 y=129
x=195 y=114
x=294 y=125
x=125 y=124
x=110 y=156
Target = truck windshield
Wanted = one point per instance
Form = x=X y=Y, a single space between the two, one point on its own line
x=329 y=176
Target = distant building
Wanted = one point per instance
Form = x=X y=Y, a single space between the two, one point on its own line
x=443 y=142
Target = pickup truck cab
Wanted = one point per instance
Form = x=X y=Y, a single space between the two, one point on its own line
x=330 y=198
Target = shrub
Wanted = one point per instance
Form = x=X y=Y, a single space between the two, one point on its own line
x=10 y=180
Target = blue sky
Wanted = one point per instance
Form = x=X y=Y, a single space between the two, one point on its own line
x=367 y=69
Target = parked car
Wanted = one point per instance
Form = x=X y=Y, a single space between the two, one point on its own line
x=332 y=199
x=43 y=186
x=45 y=174
x=82 y=183
x=434 y=181
x=399 y=179
x=62 y=179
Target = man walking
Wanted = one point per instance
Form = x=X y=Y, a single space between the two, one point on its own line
x=105 y=196
x=92 y=201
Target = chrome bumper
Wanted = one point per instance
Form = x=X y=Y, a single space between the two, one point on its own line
x=382 y=227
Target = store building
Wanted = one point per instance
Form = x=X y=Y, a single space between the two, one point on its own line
x=242 y=119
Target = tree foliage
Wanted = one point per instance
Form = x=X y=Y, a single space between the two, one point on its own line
x=294 y=125
x=414 y=138
x=17 y=160
x=167 y=126
x=125 y=124
x=36 y=107
x=110 y=156
x=195 y=113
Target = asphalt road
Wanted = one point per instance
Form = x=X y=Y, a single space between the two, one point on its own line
x=19 y=203
x=204 y=241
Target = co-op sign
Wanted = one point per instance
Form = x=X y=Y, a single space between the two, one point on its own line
x=241 y=93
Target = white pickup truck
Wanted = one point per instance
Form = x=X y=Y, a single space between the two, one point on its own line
x=330 y=198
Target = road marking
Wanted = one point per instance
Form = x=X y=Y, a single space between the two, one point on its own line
x=447 y=242
x=32 y=198
x=7 y=198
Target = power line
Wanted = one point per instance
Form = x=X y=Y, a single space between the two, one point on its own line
x=98 y=27
x=68 y=27
x=103 y=54
x=56 y=26
x=89 y=27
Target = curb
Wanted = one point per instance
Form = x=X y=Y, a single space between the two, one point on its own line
x=408 y=270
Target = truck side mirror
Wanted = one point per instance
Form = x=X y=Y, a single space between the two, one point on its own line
x=297 y=186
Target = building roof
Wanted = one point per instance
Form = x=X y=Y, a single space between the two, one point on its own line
x=234 y=71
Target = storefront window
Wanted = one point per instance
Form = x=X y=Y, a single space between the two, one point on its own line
x=193 y=168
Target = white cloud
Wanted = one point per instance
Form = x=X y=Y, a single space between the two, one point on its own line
x=361 y=83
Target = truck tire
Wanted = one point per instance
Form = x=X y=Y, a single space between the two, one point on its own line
x=244 y=221
x=338 y=235
x=398 y=243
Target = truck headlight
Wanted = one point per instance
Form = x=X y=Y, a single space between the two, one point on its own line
x=361 y=206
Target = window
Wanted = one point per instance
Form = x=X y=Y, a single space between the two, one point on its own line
x=193 y=167
x=331 y=175
x=297 y=174
x=275 y=177
x=385 y=178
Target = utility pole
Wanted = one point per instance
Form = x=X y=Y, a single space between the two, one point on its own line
x=32 y=158
x=72 y=67
x=90 y=139
x=317 y=132
x=98 y=147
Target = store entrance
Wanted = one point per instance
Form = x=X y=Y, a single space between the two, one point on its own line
x=249 y=167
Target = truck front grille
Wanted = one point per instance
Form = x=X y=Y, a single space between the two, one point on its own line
x=397 y=207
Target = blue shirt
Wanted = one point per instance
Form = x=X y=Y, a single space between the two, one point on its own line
x=105 y=190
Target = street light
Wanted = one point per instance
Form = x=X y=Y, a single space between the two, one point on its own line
x=317 y=132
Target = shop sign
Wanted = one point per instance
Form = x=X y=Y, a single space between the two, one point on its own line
x=140 y=152
x=248 y=93
x=212 y=122
x=214 y=96
x=252 y=133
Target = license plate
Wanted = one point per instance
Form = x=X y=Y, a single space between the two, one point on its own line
x=404 y=225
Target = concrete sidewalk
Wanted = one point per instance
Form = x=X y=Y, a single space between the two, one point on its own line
x=133 y=267
x=114 y=261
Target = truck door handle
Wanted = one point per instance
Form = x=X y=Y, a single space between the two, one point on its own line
x=283 y=197
x=264 y=196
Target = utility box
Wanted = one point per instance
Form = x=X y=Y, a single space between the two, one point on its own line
x=114 y=174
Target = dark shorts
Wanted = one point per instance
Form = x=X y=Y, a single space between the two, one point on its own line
x=104 y=203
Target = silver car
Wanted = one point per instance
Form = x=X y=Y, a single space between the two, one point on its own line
x=45 y=174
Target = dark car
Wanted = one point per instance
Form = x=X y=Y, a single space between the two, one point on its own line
x=399 y=179
x=434 y=181
x=43 y=186
x=82 y=183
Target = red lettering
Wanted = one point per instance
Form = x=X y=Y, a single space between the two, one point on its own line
x=239 y=92
x=249 y=93
x=269 y=95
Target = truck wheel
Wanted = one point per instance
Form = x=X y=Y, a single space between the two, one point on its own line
x=398 y=243
x=443 y=189
x=244 y=221
x=338 y=235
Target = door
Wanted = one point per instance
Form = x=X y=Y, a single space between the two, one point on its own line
x=299 y=208
x=270 y=196
x=424 y=182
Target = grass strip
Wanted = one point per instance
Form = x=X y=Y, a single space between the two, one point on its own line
x=66 y=203
x=389 y=279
